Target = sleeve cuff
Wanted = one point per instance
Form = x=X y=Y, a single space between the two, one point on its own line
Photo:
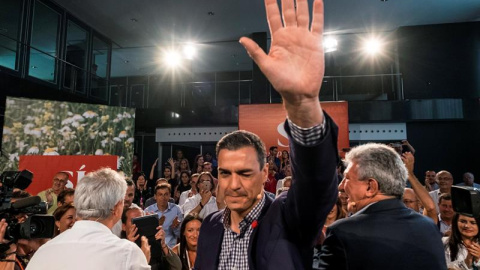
x=307 y=136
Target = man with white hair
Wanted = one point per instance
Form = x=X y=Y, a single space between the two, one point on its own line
x=90 y=243
x=382 y=233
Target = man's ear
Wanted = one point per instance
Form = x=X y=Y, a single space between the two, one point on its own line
x=373 y=188
x=265 y=172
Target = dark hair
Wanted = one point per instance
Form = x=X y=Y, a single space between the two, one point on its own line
x=212 y=188
x=136 y=176
x=444 y=196
x=183 y=240
x=273 y=148
x=125 y=211
x=341 y=213
x=60 y=211
x=455 y=238
x=64 y=193
x=163 y=186
x=130 y=183
x=240 y=139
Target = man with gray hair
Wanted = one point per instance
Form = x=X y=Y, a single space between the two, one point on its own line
x=382 y=233
x=90 y=244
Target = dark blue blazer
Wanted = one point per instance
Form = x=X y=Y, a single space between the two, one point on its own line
x=289 y=226
x=386 y=235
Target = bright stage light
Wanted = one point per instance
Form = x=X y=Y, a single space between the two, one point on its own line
x=330 y=44
x=189 y=51
x=172 y=58
x=373 y=46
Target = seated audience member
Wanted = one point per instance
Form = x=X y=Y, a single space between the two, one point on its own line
x=284 y=160
x=446 y=213
x=161 y=256
x=203 y=203
x=189 y=193
x=152 y=200
x=60 y=179
x=272 y=156
x=445 y=182
x=198 y=164
x=468 y=181
x=184 y=185
x=142 y=192
x=287 y=172
x=65 y=217
x=412 y=197
x=65 y=197
x=187 y=248
x=90 y=244
x=430 y=181
x=462 y=250
x=170 y=175
x=184 y=166
x=286 y=183
x=382 y=233
x=271 y=183
x=127 y=202
x=169 y=214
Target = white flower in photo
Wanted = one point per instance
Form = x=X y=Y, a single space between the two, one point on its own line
x=36 y=132
x=63 y=105
x=45 y=129
x=103 y=133
x=7 y=131
x=116 y=120
x=93 y=134
x=130 y=140
x=99 y=152
x=78 y=118
x=20 y=145
x=104 y=142
x=13 y=157
x=10 y=101
x=65 y=129
x=51 y=151
x=119 y=116
x=67 y=121
x=127 y=115
x=123 y=134
x=120 y=161
x=75 y=124
x=33 y=150
x=117 y=139
x=69 y=113
x=90 y=114
x=29 y=118
x=27 y=129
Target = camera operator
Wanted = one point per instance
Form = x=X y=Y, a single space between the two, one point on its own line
x=18 y=254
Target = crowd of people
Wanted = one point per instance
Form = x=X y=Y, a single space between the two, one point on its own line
x=298 y=209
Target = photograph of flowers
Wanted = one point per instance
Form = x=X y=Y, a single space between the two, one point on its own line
x=43 y=127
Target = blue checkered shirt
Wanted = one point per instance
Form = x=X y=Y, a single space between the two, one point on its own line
x=234 y=252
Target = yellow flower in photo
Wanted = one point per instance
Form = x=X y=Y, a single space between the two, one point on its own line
x=17 y=125
x=90 y=114
x=48 y=105
x=105 y=118
x=47 y=116
x=51 y=151
x=80 y=129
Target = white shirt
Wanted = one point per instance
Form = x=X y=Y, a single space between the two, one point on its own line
x=183 y=197
x=88 y=245
x=192 y=202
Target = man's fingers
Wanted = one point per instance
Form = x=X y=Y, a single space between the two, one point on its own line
x=255 y=52
x=303 y=17
x=288 y=12
x=317 y=18
x=273 y=16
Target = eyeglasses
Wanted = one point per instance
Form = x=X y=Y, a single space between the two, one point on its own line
x=409 y=201
x=60 y=180
x=444 y=178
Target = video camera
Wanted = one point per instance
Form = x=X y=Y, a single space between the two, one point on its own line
x=37 y=225
x=466 y=200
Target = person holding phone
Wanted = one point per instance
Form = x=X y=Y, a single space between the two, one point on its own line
x=203 y=203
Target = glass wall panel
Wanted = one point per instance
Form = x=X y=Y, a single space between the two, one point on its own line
x=43 y=43
x=76 y=57
x=10 y=16
x=99 y=69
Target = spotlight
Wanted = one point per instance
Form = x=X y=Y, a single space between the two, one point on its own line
x=172 y=58
x=189 y=51
x=330 y=44
x=373 y=46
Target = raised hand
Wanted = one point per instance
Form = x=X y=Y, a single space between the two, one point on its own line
x=295 y=63
x=132 y=233
x=146 y=248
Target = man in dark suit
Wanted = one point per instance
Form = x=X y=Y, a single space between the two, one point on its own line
x=383 y=233
x=254 y=232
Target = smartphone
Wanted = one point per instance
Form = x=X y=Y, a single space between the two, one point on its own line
x=207 y=185
x=147 y=225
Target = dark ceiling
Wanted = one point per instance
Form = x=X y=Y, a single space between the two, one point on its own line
x=140 y=29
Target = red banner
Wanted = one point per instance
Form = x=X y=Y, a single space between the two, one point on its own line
x=45 y=167
x=266 y=120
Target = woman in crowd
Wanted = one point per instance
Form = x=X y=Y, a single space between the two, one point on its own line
x=184 y=165
x=142 y=192
x=284 y=160
x=197 y=166
x=335 y=214
x=169 y=174
x=183 y=186
x=462 y=250
x=187 y=248
x=203 y=203
x=65 y=217
x=189 y=193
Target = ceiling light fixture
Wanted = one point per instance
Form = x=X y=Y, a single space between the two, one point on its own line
x=330 y=44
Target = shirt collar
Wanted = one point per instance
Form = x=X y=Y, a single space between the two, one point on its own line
x=254 y=214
